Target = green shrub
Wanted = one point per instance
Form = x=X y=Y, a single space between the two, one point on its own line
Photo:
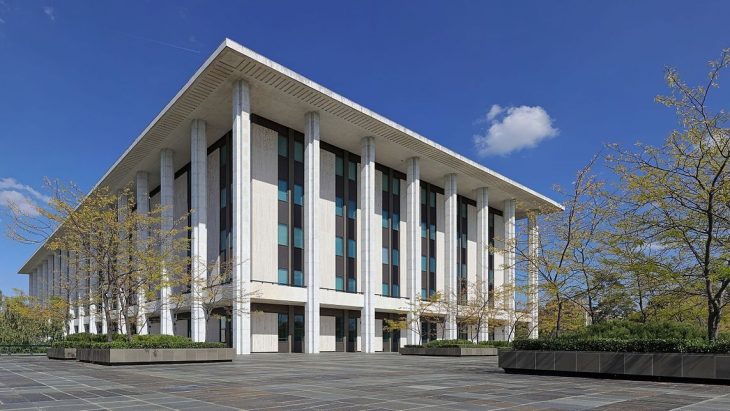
x=465 y=344
x=626 y=330
x=669 y=345
x=138 y=341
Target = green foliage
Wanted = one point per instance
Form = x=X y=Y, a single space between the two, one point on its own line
x=625 y=330
x=25 y=322
x=138 y=341
x=624 y=345
x=465 y=344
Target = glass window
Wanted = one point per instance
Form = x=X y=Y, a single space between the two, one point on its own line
x=432 y=267
x=395 y=291
x=223 y=197
x=283 y=187
x=423 y=195
x=283 y=146
x=298 y=152
x=396 y=186
x=396 y=257
x=283 y=234
x=352 y=209
x=433 y=231
x=339 y=283
x=385 y=182
x=283 y=276
x=385 y=219
x=339 y=246
x=424 y=231
x=423 y=263
x=432 y=199
x=352 y=171
x=386 y=288
x=298 y=237
x=339 y=206
x=423 y=293
x=385 y=255
x=298 y=278
x=351 y=285
x=339 y=166
x=298 y=194
x=396 y=221
x=224 y=154
x=351 y=248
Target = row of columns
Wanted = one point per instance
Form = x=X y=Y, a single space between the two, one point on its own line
x=241 y=233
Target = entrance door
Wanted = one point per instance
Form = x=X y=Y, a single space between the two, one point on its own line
x=298 y=342
x=339 y=333
x=283 y=331
x=352 y=334
x=395 y=341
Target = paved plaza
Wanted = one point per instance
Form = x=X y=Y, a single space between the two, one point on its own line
x=330 y=381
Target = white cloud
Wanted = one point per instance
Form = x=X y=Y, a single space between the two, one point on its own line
x=9 y=183
x=48 y=11
x=494 y=112
x=513 y=129
x=24 y=197
x=12 y=198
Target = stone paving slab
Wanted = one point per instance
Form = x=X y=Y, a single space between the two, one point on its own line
x=331 y=382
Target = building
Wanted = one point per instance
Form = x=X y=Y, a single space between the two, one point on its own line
x=340 y=217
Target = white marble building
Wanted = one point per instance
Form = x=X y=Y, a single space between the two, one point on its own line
x=340 y=217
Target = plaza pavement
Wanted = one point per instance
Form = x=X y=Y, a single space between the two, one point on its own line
x=330 y=381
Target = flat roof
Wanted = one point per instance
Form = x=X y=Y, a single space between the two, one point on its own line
x=284 y=95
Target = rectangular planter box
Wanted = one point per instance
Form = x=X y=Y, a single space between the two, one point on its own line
x=449 y=351
x=698 y=367
x=61 y=353
x=153 y=355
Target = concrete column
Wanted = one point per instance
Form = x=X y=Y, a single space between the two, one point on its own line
x=482 y=195
x=509 y=261
x=199 y=234
x=241 y=217
x=56 y=288
x=311 y=238
x=48 y=278
x=533 y=240
x=451 y=263
x=122 y=210
x=81 y=292
x=143 y=207
x=92 y=294
x=167 y=196
x=413 y=244
x=73 y=289
x=368 y=272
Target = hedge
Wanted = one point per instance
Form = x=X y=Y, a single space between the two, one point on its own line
x=625 y=345
x=461 y=344
x=629 y=330
x=138 y=341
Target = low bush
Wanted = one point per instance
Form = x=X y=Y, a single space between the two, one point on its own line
x=138 y=341
x=466 y=344
x=628 y=330
x=668 y=345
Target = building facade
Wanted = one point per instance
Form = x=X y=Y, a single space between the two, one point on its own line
x=338 y=219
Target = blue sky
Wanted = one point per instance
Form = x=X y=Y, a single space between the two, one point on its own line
x=80 y=80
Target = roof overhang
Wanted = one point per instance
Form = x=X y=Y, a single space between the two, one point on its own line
x=283 y=96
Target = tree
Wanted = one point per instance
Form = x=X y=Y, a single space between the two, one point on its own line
x=568 y=248
x=678 y=195
x=124 y=252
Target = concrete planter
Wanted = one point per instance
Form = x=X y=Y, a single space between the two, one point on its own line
x=709 y=367
x=449 y=351
x=61 y=353
x=119 y=356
